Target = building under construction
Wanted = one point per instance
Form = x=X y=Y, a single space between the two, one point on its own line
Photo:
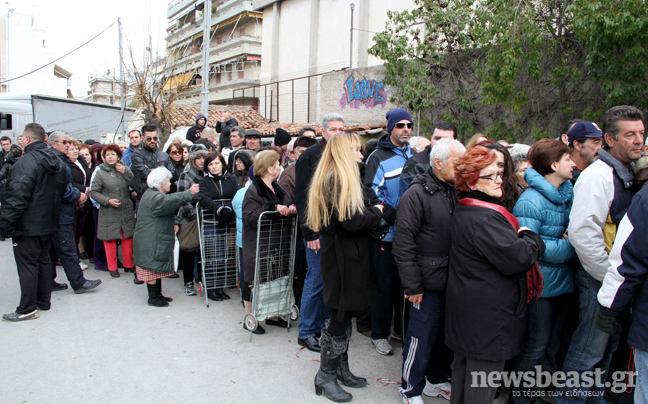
x=234 y=48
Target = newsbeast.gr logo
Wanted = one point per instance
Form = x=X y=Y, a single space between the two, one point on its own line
x=559 y=380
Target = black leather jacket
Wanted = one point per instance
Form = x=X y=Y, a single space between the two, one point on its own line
x=143 y=160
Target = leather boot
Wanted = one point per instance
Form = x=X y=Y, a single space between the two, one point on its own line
x=166 y=299
x=154 y=296
x=326 y=378
x=344 y=373
x=136 y=281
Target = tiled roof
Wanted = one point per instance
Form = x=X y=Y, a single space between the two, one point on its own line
x=248 y=118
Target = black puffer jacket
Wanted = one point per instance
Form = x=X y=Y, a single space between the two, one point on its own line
x=31 y=199
x=224 y=130
x=304 y=171
x=423 y=232
x=486 y=290
x=258 y=199
x=145 y=159
x=217 y=189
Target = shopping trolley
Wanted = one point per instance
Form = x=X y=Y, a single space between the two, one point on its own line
x=272 y=293
x=218 y=251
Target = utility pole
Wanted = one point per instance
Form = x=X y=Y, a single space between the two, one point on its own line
x=204 y=94
x=121 y=76
x=351 y=46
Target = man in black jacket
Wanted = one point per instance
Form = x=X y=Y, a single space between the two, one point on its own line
x=147 y=158
x=195 y=131
x=313 y=311
x=224 y=129
x=421 y=246
x=31 y=202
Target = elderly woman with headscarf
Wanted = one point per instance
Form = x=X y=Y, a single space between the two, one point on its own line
x=154 y=239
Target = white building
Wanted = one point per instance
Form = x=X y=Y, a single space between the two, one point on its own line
x=23 y=49
x=106 y=89
x=304 y=38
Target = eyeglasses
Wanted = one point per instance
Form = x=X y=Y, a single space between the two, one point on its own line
x=64 y=141
x=175 y=152
x=154 y=138
x=492 y=177
x=401 y=125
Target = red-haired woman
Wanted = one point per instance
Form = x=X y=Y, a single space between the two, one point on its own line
x=116 y=215
x=487 y=289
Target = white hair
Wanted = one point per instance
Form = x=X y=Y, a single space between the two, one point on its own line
x=442 y=147
x=291 y=145
x=519 y=153
x=414 y=142
x=120 y=142
x=157 y=177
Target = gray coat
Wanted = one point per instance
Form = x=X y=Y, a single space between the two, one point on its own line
x=109 y=184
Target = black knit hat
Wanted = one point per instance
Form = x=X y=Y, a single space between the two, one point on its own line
x=282 y=137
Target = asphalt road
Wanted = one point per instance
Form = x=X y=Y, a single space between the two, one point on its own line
x=109 y=346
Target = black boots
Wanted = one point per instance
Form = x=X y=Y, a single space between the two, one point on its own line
x=344 y=374
x=332 y=349
x=135 y=280
x=155 y=295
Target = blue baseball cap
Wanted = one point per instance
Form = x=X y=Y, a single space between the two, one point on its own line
x=584 y=129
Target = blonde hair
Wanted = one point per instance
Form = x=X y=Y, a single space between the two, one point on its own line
x=265 y=160
x=335 y=187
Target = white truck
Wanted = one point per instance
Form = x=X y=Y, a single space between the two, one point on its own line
x=80 y=119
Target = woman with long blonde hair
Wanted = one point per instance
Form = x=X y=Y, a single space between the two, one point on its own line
x=344 y=212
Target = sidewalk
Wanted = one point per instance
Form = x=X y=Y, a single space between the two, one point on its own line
x=109 y=346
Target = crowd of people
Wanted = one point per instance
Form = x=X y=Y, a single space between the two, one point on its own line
x=480 y=258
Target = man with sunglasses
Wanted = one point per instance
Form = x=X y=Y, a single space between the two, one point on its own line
x=64 y=247
x=147 y=158
x=383 y=171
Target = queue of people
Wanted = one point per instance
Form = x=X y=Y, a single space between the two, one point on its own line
x=481 y=258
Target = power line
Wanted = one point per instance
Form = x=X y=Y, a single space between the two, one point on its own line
x=56 y=60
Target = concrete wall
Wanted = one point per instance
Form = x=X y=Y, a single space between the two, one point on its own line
x=358 y=94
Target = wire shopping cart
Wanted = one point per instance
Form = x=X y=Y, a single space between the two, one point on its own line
x=218 y=252
x=272 y=293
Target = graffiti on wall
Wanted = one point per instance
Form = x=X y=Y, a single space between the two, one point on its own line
x=356 y=93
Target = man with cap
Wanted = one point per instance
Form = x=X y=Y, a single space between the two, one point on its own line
x=195 y=131
x=281 y=140
x=252 y=142
x=383 y=171
x=585 y=140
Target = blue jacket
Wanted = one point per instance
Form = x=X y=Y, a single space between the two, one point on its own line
x=126 y=156
x=237 y=204
x=383 y=172
x=626 y=281
x=545 y=210
x=71 y=194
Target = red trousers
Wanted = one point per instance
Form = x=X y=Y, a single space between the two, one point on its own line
x=127 y=252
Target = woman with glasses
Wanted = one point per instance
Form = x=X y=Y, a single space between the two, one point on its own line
x=175 y=152
x=116 y=214
x=80 y=180
x=487 y=287
x=544 y=208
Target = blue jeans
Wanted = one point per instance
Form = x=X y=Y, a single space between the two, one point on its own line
x=590 y=347
x=64 y=249
x=544 y=317
x=641 y=364
x=424 y=345
x=313 y=312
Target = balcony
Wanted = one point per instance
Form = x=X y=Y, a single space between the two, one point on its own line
x=243 y=45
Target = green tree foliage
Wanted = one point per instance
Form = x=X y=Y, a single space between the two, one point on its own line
x=515 y=68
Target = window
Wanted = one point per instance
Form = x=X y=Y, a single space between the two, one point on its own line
x=241 y=74
x=218 y=78
x=5 y=122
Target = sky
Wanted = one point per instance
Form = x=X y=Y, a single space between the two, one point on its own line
x=70 y=23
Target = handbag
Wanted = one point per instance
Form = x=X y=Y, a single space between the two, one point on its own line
x=188 y=236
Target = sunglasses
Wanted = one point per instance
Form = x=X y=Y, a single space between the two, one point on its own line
x=64 y=141
x=175 y=152
x=492 y=177
x=155 y=138
x=401 y=125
